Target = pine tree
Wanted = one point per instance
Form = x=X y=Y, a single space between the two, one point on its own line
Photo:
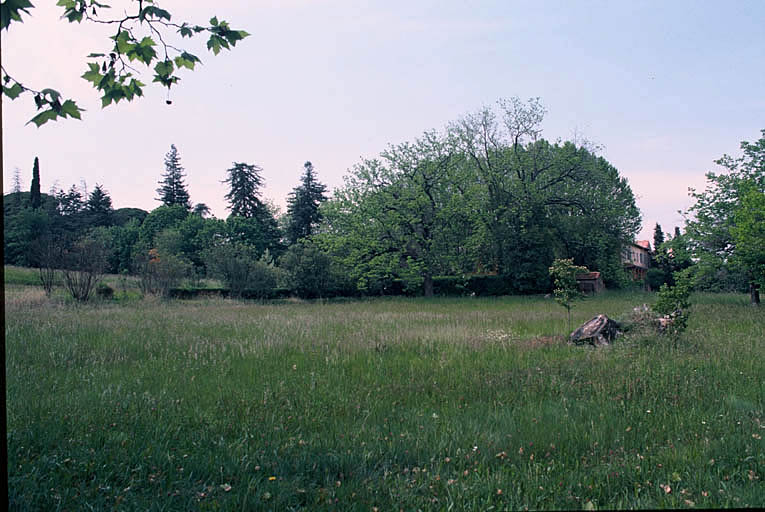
x=34 y=192
x=173 y=191
x=16 y=181
x=99 y=206
x=658 y=237
x=201 y=210
x=16 y=190
x=70 y=203
x=303 y=205
x=244 y=181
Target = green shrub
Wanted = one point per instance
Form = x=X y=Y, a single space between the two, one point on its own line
x=240 y=270
x=104 y=291
x=673 y=303
x=564 y=272
x=312 y=273
x=160 y=273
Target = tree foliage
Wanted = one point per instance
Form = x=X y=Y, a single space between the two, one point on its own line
x=34 y=191
x=143 y=36
x=483 y=206
x=658 y=237
x=748 y=234
x=732 y=197
x=244 y=181
x=543 y=199
x=172 y=191
x=99 y=206
x=303 y=205
x=239 y=267
x=673 y=303
x=565 y=286
x=312 y=272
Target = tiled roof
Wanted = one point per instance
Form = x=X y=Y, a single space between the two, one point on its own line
x=645 y=244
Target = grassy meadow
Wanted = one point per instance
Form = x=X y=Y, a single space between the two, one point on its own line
x=380 y=404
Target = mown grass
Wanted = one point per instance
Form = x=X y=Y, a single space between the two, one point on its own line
x=389 y=403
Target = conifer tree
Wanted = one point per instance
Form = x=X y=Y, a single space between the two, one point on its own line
x=16 y=181
x=244 y=181
x=658 y=237
x=201 y=210
x=173 y=191
x=16 y=190
x=99 y=206
x=34 y=192
x=303 y=205
x=71 y=202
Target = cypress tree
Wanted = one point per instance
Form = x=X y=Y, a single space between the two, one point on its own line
x=303 y=205
x=658 y=237
x=34 y=192
x=173 y=191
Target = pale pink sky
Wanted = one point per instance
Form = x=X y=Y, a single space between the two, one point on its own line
x=664 y=88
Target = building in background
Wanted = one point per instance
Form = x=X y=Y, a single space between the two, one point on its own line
x=636 y=257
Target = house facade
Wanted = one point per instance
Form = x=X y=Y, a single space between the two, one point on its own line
x=636 y=258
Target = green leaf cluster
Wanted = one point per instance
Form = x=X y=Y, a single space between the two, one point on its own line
x=56 y=109
x=222 y=36
x=114 y=87
x=111 y=74
x=11 y=10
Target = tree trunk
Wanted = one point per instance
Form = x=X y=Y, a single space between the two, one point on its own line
x=427 y=285
x=754 y=294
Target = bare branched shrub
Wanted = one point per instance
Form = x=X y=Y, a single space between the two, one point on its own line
x=47 y=255
x=84 y=265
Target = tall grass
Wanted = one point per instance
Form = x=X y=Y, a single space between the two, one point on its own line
x=387 y=403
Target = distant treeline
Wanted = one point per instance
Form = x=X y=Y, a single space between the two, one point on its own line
x=483 y=206
x=485 y=197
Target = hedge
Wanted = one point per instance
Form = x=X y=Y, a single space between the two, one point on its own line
x=478 y=285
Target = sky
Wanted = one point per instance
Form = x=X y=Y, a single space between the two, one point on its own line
x=662 y=88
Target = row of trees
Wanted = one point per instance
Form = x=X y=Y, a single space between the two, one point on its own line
x=486 y=195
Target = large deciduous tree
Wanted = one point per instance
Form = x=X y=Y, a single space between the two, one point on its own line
x=143 y=35
x=748 y=233
x=303 y=205
x=400 y=215
x=173 y=190
x=721 y=226
x=487 y=196
x=543 y=199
